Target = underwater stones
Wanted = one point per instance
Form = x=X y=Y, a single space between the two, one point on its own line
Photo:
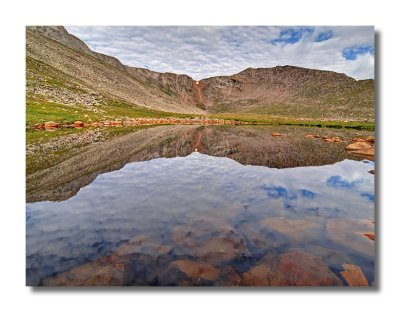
x=350 y=234
x=293 y=268
x=228 y=277
x=188 y=273
x=353 y=275
x=213 y=243
x=298 y=268
x=297 y=230
x=135 y=262
x=257 y=239
x=104 y=272
x=144 y=245
x=258 y=275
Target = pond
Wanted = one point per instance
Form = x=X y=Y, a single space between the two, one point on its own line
x=191 y=218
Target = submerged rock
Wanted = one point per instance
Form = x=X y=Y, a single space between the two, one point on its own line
x=353 y=275
x=350 y=234
x=196 y=273
x=293 y=268
x=189 y=273
x=214 y=243
x=297 y=230
x=137 y=262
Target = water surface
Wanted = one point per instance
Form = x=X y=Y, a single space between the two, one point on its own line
x=138 y=225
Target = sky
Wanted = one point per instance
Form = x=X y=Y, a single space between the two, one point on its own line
x=202 y=52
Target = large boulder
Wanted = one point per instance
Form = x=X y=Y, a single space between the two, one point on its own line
x=293 y=268
x=358 y=146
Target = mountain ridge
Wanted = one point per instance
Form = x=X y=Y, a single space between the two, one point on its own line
x=278 y=91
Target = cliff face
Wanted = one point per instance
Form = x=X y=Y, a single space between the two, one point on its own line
x=89 y=77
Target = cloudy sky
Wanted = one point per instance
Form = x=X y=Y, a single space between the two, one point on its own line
x=202 y=52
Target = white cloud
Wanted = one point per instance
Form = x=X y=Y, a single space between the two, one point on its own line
x=202 y=52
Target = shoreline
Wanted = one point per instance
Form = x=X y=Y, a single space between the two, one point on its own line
x=50 y=125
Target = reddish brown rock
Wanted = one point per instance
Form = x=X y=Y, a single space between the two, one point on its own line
x=38 y=126
x=337 y=139
x=189 y=273
x=294 y=268
x=324 y=137
x=298 y=268
x=365 y=152
x=359 y=140
x=371 y=236
x=228 y=277
x=358 y=146
x=276 y=134
x=78 y=123
x=257 y=275
x=353 y=275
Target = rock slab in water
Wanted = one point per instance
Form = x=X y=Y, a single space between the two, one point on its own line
x=353 y=275
x=293 y=268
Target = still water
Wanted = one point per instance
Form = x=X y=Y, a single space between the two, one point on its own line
x=205 y=220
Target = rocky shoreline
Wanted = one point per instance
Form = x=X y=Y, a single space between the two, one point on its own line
x=50 y=125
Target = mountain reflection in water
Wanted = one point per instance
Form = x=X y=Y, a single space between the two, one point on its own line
x=248 y=145
x=233 y=224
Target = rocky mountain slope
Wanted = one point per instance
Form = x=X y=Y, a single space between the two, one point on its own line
x=65 y=77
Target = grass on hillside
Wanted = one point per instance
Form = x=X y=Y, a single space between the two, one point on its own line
x=40 y=111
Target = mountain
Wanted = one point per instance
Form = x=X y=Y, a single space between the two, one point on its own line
x=67 y=81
